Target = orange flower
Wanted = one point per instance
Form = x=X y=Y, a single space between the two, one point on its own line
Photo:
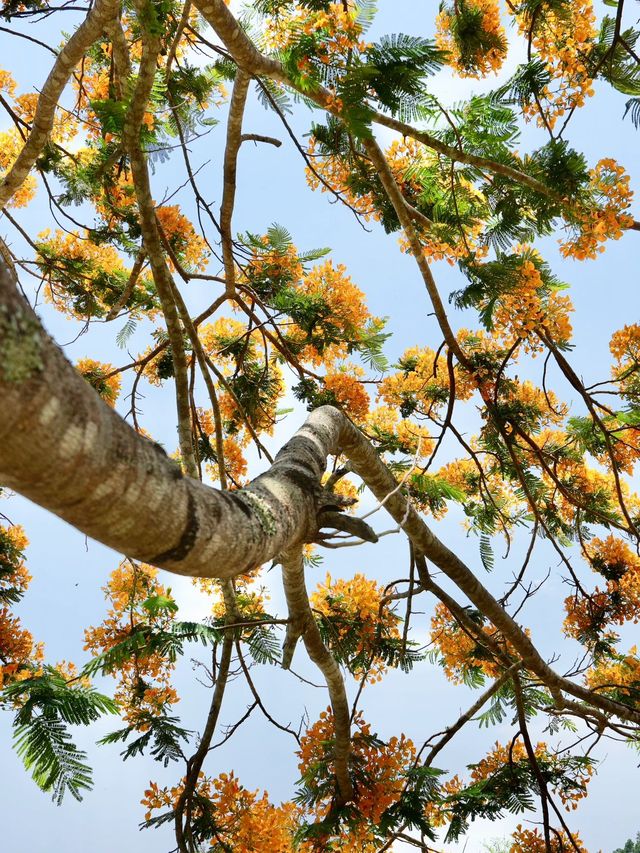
x=379 y=768
x=531 y=841
x=243 y=820
x=354 y=611
x=97 y=375
x=603 y=219
x=349 y=391
x=563 y=40
x=144 y=687
x=482 y=61
x=531 y=306
x=189 y=247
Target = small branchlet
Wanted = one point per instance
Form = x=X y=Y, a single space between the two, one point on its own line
x=336 y=520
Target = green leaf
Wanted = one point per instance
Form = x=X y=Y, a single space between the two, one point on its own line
x=163 y=732
x=47 y=705
x=486 y=552
x=125 y=333
x=158 y=604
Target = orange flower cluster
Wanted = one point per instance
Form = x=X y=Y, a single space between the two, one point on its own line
x=605 y=219
x=625 y=346
x=190 y=248
x=335 y=28
x=13 y=572
x=501 y=755
x=250 y=598
x=531 y=841
x=221 y=339
x=11 y=143
x=67 y=256
x=437 y=245
x=72 y=245
x=119 y=198
x=335 y=172
x=483 y=61
x=346 y=310
x=458 y=652
x=19 y=652
x=244 y=821
x=531 y=306
x=263 y=416
x=461 y=474
x=96 y=83
x=562 y=40
x=93 y=86
x=404 y=156
x=282 y=266
x=379 y=768
x=235 y=462
x=65 y=125
x=97 y=375
x=620 y=674
x=411 y=438
x=437 y=813
x=625 y=448
x=619 y=602
x=7 y=83
x=406 y=159
x=354 y=608
x=516 y=753
x=421 y=385
x=235 y=349
x=534 y=406
x=349 y=391
x=144 y=687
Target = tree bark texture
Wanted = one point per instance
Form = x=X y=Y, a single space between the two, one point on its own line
x=65 y=449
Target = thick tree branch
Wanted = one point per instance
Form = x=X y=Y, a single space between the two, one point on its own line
x=65 y=449
x=303 y=624
x=234 y=141
x=245 y=53
x=151 y=237
x=71 y=453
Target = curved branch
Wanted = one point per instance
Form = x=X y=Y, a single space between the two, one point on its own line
x=70 y=55
x=151 y=237
x=245 y=53
x=234 y=141
x=303 y=624
x=65 y=449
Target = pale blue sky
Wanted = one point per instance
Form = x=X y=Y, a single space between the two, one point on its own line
x=68 y=571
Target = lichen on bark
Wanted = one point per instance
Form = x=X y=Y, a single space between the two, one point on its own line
x=20 y=345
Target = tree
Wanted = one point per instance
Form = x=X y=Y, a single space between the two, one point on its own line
x=455 y=187
x=630 y=847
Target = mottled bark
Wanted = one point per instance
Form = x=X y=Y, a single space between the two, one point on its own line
x=65 y=449
x=235 y=39
x=302 y=624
